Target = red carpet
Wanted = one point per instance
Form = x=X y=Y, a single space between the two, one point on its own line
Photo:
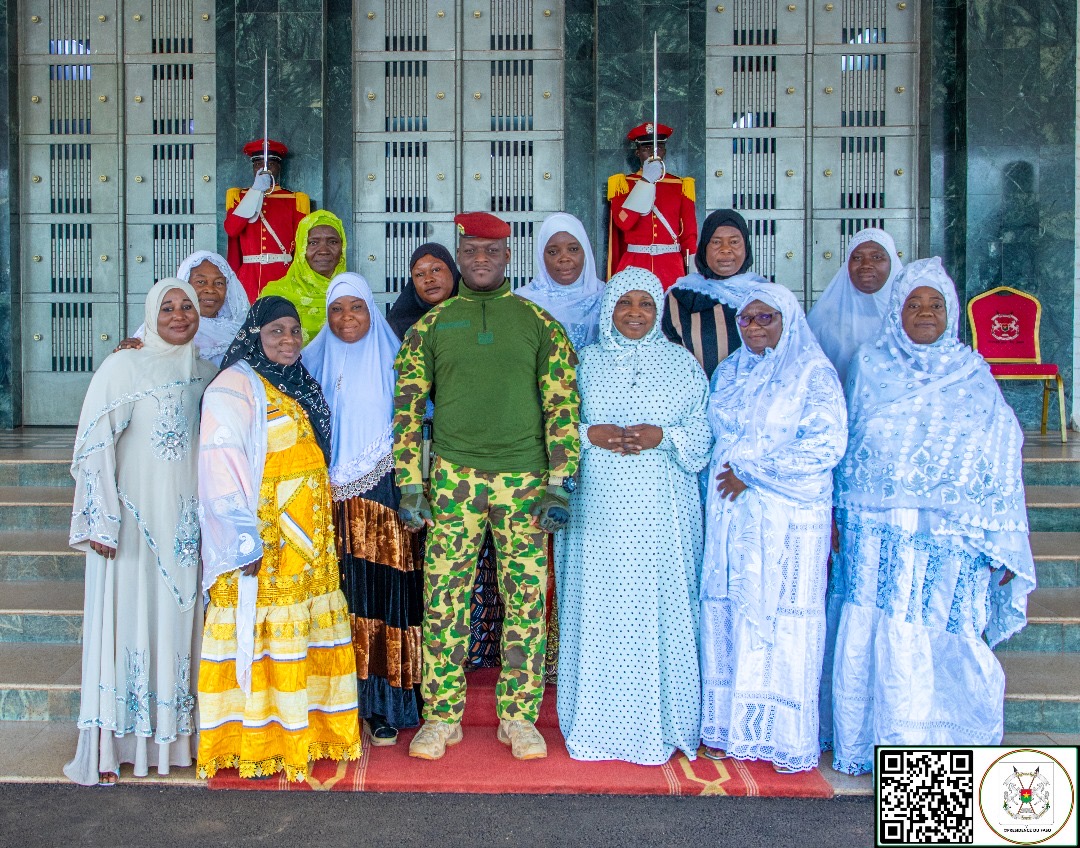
x=482 y=764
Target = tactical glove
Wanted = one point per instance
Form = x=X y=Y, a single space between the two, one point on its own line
x=553 y=509
x=414 y=509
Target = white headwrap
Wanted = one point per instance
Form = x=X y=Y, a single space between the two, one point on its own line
x=358 y=382
x=576 y=306
x=178 y=359
x=215 y=334
x=931 y=431
x=844 y=317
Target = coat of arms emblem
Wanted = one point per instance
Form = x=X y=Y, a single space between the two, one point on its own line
x=1026 y=795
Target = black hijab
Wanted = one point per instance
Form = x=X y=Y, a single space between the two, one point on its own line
x=410 y=307
x=722 y=218
x=294 y=380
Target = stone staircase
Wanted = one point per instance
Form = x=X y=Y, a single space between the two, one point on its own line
x=41 y=608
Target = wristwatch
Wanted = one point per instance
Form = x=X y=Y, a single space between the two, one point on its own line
x=567 y=484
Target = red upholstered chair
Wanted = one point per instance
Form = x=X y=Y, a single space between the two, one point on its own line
x=1005 y=330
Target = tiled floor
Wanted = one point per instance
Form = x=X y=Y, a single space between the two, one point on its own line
x=38 y=438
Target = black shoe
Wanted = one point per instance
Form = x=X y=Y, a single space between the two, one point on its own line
x=382 y=732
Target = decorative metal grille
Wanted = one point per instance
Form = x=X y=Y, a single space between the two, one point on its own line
x=174 y=99
x=172 y=30
x=862 y=90
x=763 y=239
x=753 y=173
x=864 y=21
x=174 y=179
x=406 y=26
x=69 y=99
x=753 y=85
x=754 y=22
x=172 y=244
x=511 y=25
x=406 y=96
x=862 y=172
x=406 y=170
x=402 y=238
x=71 y=257
x=72 y=337
x=511 y=176
x=69 y=166
x=69 y=27
x=511 y=95
x=849 y=226
x=520 y=269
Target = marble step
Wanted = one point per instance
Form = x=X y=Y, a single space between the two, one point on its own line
x=1053 y=508
x=39 y=555
x=1057 y=559
x=1053 y=623
x=1042 y=692
x=39 y=682
x=41 y=611
x=36 y=468
x=34 y=508
x=1047 y=462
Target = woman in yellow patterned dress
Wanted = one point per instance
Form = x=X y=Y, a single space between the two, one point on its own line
x=277 y=682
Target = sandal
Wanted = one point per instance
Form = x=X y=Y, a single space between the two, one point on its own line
x=382 y=732
x=108 y=778
x=714 y=753
x=787 y=769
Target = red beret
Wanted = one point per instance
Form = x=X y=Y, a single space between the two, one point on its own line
x=481 y=225
x=276 y=149
x=643 y=133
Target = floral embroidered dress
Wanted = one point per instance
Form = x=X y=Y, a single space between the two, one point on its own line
x=780 y=424
x=135 y=470
x=931 y=513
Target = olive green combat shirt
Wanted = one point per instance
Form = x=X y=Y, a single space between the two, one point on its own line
x=504 y=373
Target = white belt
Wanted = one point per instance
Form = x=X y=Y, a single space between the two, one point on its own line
x=652 y=249
x=267 y=258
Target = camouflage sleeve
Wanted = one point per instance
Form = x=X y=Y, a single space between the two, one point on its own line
x=557 y=379
x=414 y=375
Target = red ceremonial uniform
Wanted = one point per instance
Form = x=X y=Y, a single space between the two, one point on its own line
x=632 y=235
x=248 y=241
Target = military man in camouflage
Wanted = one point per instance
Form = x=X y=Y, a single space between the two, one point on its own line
x=507 y=447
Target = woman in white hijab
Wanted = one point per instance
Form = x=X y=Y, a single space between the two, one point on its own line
x=136 y=517
x=934 y=564
x=352 y=357
x=223 y=304
x=850 y=310
x=566 y=285
x=777 y=413
x=628 y=560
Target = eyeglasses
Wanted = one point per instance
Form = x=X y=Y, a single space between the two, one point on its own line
x=763 y=320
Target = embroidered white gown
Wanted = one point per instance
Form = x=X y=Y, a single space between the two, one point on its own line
x=779 y=421
x=135 y=470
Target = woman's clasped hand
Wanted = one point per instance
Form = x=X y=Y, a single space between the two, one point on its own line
x=626 y=441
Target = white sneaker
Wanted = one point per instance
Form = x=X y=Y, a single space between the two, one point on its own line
x=431 y=740
x=524 y=739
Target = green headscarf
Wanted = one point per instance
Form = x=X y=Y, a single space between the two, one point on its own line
x=302 y=285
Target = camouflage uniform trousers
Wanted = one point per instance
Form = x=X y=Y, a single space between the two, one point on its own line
x=463 y=503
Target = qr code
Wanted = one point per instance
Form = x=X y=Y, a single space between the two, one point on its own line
x=925 y=797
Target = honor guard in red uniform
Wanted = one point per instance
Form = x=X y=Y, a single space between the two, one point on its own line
x=261 y=221
x=653 y=224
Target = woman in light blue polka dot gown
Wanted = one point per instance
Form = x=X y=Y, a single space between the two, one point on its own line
x=627 y=564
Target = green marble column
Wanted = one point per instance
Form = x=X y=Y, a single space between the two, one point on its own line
x=10 y=339
x=1002 y=161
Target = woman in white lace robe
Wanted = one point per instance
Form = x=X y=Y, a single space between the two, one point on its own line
x=136 y=516
x=934 y=567
x=777 y=413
